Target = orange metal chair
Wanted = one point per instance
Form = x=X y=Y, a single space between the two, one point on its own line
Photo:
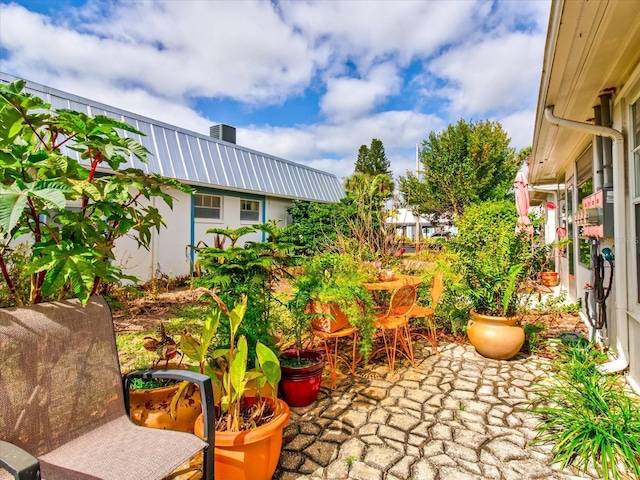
x=429 y=313
x=331 y=351
x=394 y=326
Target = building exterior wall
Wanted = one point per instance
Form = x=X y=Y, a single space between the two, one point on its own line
x=277 y=210
x=170 y=254
x=617 y=332
x=166 y=254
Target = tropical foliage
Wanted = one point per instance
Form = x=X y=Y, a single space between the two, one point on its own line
x=588 y=417
x=250 y=270
x=55 y=196
x=232 y=361
x=333 y=278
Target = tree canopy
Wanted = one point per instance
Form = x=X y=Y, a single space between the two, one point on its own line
x=469 y=162
x=372 y=160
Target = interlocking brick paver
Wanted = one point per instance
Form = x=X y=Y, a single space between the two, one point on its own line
x=455 y=416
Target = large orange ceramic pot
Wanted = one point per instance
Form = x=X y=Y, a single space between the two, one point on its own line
x=151 y=408
x=500 y=338
x=250 y=454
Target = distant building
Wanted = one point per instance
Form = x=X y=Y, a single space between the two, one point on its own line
x=405 y=222
x=234 y=185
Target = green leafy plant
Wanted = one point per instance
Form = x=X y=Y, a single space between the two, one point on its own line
x=495 y=262
x=557 y=305
x=145 y=384
x=231 y=361
x=333 y=278
x=251 y=270
x=589 y=417
x=532 y=336
x=71 y=248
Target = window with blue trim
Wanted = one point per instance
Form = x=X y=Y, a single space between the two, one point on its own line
x=208 y=206
x=249 y=210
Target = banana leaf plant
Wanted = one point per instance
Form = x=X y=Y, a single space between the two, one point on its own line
x=232 y=363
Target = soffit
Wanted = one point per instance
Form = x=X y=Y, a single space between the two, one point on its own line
x=591 y=47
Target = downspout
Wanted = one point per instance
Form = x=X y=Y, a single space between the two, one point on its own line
x=620 y=232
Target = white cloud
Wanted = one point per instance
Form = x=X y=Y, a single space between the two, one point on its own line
x=519 y=126
x=348 y=98
x=339 y=143
x=243 y=50
x=366 y=30
x=157 y=59
x=497 y=74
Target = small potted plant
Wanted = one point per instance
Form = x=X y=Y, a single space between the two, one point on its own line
x=496 y=264
x=248 y=436
x=301 y=368
x=164 y=404
x=331 y=290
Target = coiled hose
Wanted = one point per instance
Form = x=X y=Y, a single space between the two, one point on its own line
x=600 y=293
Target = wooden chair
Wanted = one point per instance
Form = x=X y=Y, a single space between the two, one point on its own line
x=394 y=326
x=62 y=401
x=429 y=313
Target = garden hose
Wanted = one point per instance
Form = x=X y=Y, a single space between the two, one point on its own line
x=600 y=293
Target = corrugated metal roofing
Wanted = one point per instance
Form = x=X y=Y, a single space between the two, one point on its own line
x=201 y=160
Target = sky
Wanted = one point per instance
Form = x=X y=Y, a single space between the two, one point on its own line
x=307 y=81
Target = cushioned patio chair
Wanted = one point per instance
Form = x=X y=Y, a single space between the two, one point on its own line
x=62 y=401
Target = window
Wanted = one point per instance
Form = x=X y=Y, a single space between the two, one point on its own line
x=584 y=169
x=208 y=206
x=635 y=128
x=570 y=213
x=249 y=210
x=635 y=141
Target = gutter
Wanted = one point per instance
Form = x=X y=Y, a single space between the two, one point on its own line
x=620 y=233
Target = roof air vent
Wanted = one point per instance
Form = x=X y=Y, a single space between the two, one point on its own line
x=223 y=132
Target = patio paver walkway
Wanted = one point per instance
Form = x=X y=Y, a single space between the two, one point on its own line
x=455 y=416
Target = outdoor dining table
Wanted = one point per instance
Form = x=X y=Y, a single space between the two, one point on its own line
x=383 y=293
x=397 y=282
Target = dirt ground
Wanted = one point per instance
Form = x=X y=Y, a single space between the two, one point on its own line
x=144 y=314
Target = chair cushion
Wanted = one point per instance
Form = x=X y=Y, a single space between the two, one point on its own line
x=120 y=450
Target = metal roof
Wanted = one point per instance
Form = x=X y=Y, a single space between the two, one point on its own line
x=201 y=160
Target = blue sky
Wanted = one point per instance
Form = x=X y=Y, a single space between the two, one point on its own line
x=309 y=81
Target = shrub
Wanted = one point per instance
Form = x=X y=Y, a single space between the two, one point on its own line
x=494 y=261
x=588 y=417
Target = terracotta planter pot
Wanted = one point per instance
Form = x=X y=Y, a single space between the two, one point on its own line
x=500 y=338
x=300 y=385
x=550 y=279
x=326 y=324
x=250 y=454
x=151 y=408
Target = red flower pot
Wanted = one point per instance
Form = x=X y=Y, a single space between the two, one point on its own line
x=300 y=385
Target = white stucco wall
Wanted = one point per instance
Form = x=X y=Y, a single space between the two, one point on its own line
x=167 y=252
x=277 y=210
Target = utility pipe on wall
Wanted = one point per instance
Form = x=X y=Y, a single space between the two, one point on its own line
x=619 y=228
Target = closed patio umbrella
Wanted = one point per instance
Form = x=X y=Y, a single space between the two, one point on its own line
x=522 y=204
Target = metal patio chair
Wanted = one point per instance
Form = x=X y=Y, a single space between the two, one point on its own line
x=62 y=401
x=394 y=326
x=429 y=313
